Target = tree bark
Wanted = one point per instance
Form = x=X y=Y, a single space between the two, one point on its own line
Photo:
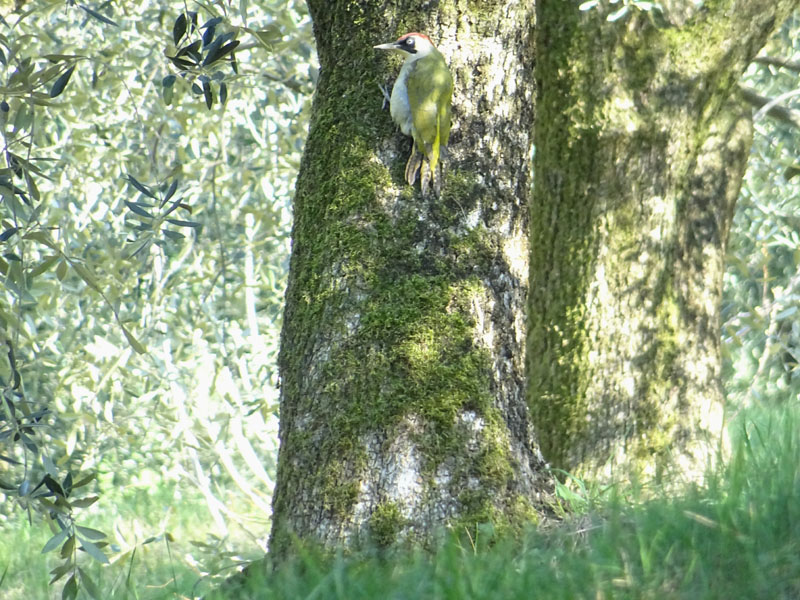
x=641 y=144
x=403 y=407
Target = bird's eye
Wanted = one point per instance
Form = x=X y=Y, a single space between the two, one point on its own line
x=409 y=42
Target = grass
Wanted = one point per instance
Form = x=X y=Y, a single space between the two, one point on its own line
x=739 y=537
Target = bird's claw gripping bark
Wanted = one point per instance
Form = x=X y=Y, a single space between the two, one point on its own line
x=424 y=177
x=417 y=163
x=437 y=180
x=412 y=166
x=429 y=177
x=386 y=97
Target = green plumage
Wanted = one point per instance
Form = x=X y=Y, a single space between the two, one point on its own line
x=430 y=90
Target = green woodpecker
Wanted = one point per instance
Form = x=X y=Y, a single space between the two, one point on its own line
x=420 y=105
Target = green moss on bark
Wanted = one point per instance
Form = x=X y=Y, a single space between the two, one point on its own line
x=390 y=388
x=402 y=341
x=626 y=228
x=386 y=524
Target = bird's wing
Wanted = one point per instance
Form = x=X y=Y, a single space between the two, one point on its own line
x=423 y=96
x=444 y=111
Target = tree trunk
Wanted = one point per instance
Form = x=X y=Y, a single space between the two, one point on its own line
x=402 y=399
x=640 y=150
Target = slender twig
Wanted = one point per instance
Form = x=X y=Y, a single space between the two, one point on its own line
x=778 y=62
x=770 y=107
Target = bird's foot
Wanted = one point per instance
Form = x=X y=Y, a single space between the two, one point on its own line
x=386 y=97
x=437 y=180
x=425 y=177
x=413 y=166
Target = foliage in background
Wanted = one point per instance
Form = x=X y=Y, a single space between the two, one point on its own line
x=624 y=7
x=761 y=329
x=145 y=212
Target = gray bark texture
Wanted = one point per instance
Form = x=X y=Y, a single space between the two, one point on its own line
x=641 y=144
x=403 y=407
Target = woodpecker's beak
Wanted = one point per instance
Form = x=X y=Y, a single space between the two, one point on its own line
x=389 y=46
